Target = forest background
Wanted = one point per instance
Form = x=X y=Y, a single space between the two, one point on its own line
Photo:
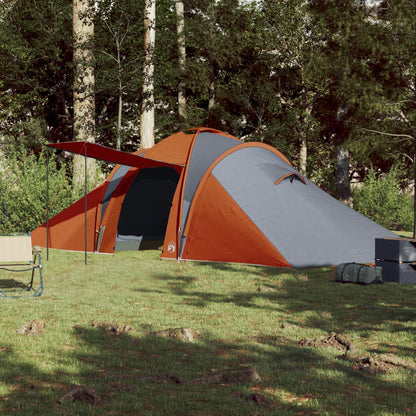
x=331 y=84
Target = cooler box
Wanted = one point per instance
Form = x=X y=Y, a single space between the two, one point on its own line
x=398 y=272
x=397 y=257
x=396 y=249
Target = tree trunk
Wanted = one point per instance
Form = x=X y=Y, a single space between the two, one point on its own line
x=147 y=120
x=308 y=102
x=212 y=59
x=120 y=95
x=211 y=94
x=84 y=85
x=180 y=22
x=414 y=185
x=119 y=114
x=343 y=189
x=303 y=153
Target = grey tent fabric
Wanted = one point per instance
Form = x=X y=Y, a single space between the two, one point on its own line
x=308 y=226
x=112 y=186
x=238 y=202
x=207 y=148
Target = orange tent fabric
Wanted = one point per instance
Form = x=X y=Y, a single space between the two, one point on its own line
x=204 y=195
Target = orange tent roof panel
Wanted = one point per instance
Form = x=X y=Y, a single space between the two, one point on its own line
x=218 y=230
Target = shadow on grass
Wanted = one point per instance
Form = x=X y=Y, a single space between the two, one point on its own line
x=11 y=284
x=128 y=371
x=122 y=370
x=359 y=308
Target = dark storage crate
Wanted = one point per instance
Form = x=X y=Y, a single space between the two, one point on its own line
x=396 y=249
x=398 y=272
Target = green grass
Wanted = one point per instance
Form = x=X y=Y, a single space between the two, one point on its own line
x=240 y=324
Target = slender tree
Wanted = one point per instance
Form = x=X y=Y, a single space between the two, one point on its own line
x=118 y=63
x=84 y=85
x=294 y=39
x=180 y=25
x=147 y=120
x=347 y=48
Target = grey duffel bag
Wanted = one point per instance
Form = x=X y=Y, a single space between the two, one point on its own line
x=358 y=273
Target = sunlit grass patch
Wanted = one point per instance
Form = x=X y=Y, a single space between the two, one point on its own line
x=100 y=320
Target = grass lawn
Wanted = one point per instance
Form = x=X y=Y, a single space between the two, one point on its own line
x=99 y=321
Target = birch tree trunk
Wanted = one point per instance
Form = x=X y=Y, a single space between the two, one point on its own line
x=414 y=183
x=211 y=88
x=180 y=24
x=303 y=153
x=343 y=188
x=147 y=119
x=120 y=97
x=84 y=85
x=304 y=122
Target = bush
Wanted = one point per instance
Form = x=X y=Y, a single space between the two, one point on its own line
x=382 y=200
x=23 y=191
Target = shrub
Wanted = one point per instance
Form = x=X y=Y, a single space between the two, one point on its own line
x=23 y=191
x=382 y=200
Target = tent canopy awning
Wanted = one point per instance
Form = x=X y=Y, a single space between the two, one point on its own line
x=97 y=151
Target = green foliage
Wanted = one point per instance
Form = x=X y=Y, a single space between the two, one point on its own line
x=35 y=67
x=382 y=200
x=23 y=191
x=275 y=71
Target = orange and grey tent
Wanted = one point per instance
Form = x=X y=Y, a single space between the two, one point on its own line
x=207 y=196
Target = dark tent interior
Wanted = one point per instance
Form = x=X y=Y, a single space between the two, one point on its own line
x=145 y=210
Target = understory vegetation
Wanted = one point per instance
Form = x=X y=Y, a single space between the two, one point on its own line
x=383 y=200
x=25 y=199
x=311 y=346
x=32 y=187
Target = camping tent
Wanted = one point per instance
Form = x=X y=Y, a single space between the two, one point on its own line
x=205 y=195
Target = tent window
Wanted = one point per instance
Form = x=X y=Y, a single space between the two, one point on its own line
x=145 y=210
x=291 y=177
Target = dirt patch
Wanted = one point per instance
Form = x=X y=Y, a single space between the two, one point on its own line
x=261 y=400
x=109 y=327
x=379 y=364
x=181 y=334
x=339 y=341
x=80 y=393
x=375 y=364
x=34 y=327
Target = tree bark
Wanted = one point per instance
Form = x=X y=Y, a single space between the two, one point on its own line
x=180 y=24
x=343 y=189
x=303 y=123
x=414 y=184
x=147 y=119
x=84 y=87
x=303 y=153
x=120 y=100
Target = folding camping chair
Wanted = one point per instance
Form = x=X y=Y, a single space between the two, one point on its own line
x=17 y=255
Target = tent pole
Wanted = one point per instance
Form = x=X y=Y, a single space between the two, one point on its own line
x=47 y=203
x=85 y=199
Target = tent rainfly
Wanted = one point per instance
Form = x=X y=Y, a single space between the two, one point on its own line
x=204 y=195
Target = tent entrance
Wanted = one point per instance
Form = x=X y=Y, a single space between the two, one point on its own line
x=145 y=210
